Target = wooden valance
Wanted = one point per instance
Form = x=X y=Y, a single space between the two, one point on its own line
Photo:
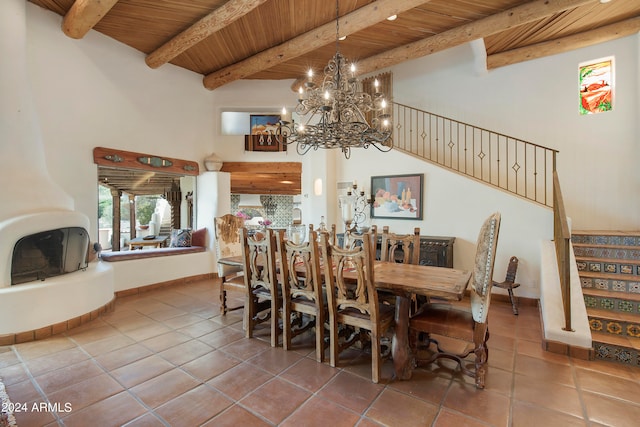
x=131 y=160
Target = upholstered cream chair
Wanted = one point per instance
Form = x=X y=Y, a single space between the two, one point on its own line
x=353 y=301
x=469 y=325
x=227 y=233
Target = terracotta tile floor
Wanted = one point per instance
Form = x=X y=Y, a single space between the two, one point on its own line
x=167 y=358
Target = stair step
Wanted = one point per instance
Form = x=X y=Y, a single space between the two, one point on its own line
x=627 y=267
x=614 y=283
x=620 y=252
x=606 y=293
x=616 y=349
x=616 y=316
x=616 y=340
x=626 y=238
x=603 y=322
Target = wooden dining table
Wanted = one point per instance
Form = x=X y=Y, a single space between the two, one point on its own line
x=405 y=280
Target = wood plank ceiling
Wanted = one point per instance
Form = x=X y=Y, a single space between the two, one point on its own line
x=280 y=39
x=228 y=40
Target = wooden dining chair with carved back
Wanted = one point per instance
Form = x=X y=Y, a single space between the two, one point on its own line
x=333 y=236
x=353 y=239
x=403 y=248
x=467 y=325
x=302 y=293
x=227 y=234
x=263 y=299
x=353 y=301
x=400 y=248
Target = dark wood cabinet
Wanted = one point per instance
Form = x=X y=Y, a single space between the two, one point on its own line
x=434 y=250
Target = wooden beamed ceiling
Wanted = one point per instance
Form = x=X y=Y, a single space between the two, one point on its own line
x=227 y=40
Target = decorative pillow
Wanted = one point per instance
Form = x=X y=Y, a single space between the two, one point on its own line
x=199 y=237
x=180 y=238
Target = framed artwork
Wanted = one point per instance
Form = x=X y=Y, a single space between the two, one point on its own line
x=596 y=86
x=263 y=124
x=397 y=196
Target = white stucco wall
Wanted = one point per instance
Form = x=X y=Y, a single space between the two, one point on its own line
x=97 y=92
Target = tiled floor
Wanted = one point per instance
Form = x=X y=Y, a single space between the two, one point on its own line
x=167 y=358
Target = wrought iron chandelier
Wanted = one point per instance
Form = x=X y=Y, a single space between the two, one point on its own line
x=335 y=112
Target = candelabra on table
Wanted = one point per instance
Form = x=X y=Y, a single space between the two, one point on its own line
x=353 y=207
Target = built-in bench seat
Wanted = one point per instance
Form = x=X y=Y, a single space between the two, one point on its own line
x=149 y=253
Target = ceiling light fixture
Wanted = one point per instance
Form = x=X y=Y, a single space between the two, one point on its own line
x=392 y=18
x=335 y=112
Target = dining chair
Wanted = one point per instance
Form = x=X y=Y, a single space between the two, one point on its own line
x=400 y=248
x=353 y=239
x=463 y=324
x=227 y=234
x=403 y=248
x=302 y=290
x=353 y=301
x=263 y=298
x=333 y=236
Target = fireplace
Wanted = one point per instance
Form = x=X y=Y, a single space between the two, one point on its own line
x=43 y=236
x=49 y=254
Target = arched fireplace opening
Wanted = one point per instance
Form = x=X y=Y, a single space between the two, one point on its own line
x=48 y=254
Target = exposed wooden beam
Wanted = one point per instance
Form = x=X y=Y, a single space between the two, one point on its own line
x=357 y=20
x=481 y=28
x=215 y=21
x=565 y=44
x=84 y=15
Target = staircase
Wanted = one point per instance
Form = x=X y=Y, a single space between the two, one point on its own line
x=609 y=268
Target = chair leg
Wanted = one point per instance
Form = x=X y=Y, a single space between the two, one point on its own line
x=514 y=307
x=249 y=314
x=286 y=326
x=333 y=343
x=223 y=300
x=320 y=337
x=375 y=356
x=275 y=310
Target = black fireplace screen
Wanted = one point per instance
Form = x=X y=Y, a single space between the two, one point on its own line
x=48 y=254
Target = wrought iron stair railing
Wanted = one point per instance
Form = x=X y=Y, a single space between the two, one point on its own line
x=511 y=164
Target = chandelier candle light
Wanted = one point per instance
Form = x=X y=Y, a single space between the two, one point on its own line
x=335 y=113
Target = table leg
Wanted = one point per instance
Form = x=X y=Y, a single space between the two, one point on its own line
x=402 y=357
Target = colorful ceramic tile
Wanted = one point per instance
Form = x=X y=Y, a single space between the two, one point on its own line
x=614 y=328
x=618 y=286
x=595 y=267
x=626 y=269
x=607 y=304
x=626 y=306
x=610 y=268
